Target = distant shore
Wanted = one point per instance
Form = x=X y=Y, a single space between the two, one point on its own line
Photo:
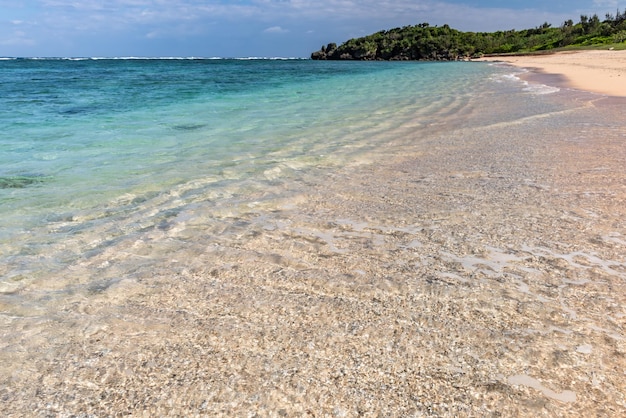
x=599 y=71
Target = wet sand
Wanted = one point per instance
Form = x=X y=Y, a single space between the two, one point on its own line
x=482 y=274
x=600 y=71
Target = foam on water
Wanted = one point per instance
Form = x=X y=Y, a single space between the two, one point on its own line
x=533 y=88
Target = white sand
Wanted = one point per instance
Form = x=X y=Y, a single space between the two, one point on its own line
x=600 y=71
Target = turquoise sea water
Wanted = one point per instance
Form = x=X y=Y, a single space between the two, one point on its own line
x=94 y=153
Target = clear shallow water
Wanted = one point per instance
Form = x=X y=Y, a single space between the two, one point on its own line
x=180 y=249
x=94 y=153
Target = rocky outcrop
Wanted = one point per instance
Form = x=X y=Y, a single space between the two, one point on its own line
x=325 y=53
x=369 y=54
x=420 y=43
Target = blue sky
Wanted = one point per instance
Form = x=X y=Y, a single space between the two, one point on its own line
x=288 y=28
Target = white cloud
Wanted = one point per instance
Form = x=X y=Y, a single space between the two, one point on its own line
x=275 y=29
x=610 y=4
x=112 y=15
x=18 y=38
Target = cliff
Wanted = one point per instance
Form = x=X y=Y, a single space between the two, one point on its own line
x=421 y=42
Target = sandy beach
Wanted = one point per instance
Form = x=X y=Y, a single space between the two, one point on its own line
x=600 y=71
x=476 y=271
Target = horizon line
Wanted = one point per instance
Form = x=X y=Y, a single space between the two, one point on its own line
x=190 y=58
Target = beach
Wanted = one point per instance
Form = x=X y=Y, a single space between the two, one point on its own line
x=472 y=264
x=600 y=71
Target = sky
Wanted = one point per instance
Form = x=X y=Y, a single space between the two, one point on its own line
x=247 y=28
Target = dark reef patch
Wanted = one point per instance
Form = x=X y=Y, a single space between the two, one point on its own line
x=20 y=182
x=188 y=127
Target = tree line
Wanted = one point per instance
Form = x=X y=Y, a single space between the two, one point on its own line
x=425 y=42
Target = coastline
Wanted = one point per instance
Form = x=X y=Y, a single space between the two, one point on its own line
x=597 y=71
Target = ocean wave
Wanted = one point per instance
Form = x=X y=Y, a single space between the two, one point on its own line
x=534 y=88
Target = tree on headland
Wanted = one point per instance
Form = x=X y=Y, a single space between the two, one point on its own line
x=426 y=42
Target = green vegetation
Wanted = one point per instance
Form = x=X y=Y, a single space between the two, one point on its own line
x=425 y=42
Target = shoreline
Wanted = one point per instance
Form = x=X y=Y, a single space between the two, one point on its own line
x=597 y=71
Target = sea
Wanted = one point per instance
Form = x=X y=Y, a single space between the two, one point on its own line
x=210 y=237
x=97 y=155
